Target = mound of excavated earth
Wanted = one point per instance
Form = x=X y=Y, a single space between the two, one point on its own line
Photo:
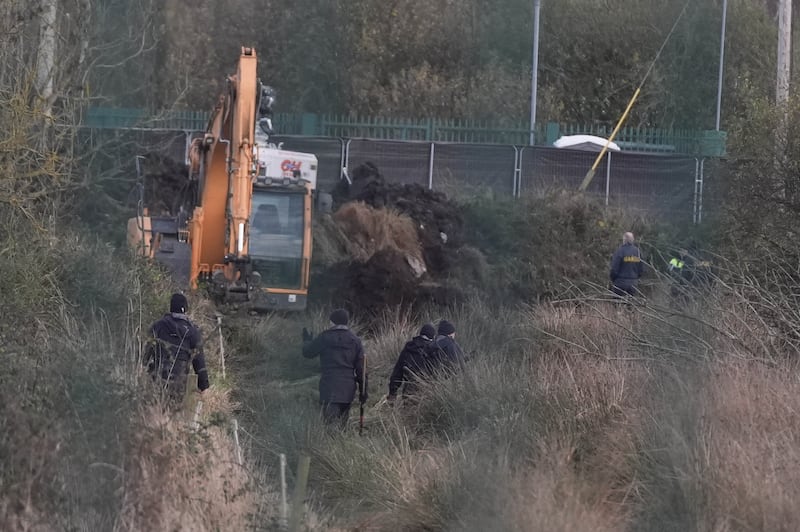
x=387 y=245
x=166 y=185
x=439 y=222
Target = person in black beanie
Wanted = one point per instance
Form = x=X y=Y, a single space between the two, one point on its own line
x=445 y=349
x=341 y=358
x=412 y=364
x=175 y=341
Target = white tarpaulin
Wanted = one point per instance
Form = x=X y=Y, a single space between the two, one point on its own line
x=585 y=143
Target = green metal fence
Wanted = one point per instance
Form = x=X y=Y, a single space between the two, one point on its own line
x=651 y=140
x=126 y=118
x=424 y=129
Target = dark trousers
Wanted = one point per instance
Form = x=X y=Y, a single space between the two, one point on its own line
x=335 y=414
x=170 y=391
x=624 y=288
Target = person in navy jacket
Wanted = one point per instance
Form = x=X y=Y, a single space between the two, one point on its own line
x=626 y=267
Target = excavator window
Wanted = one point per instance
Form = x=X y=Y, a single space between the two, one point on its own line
x=276 y=237
x=266 y=219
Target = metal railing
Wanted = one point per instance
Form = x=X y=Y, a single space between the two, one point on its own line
x=635 y=139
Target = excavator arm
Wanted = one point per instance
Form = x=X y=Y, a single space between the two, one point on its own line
x=242 y=177
x=248 y=236
x=223 y=161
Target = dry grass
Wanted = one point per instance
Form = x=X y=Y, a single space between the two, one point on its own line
x=587 y=415
x=178 y=479
x=524 y=424
x=83 y=445
x=593 y=328
x=551 y=496
x=370 y=230
x=750 y=447
x=330 y=243
x=581 y=414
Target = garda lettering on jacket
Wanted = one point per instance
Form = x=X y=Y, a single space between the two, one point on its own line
x=631 y=258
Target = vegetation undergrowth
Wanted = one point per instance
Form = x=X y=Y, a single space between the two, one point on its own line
x=537 y=246
x=84 y=442
x=582 y=413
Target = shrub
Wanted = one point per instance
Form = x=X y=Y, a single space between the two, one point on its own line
x=534 y=245
x=82 y=445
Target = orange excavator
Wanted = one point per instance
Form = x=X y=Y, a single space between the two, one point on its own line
x=245 y=230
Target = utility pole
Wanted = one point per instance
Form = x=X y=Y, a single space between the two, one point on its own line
x=721 y=60
x=537 y=5
x=782 y=91
x=784 y=54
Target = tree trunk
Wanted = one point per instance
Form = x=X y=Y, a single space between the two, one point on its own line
x=46 y=56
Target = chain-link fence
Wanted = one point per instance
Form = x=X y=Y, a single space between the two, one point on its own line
x=660 y=186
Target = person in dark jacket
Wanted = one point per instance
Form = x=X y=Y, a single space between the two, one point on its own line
x=444 y=350
x=626 y=267
x=175 y=342
x=681 y=270
x=412 y=364
x=343 y=368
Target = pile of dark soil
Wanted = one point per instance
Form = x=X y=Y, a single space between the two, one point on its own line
x=166 y=185
x=385 y=278
x=439 y=221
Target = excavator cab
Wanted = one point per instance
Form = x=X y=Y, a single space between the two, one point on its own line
x=279 y=237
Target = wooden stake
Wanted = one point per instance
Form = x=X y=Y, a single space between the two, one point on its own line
x=236 y=440
x=299 y=496
x=284 y=505
x=221 y=347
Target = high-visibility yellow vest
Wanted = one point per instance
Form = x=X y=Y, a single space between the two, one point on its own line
x=676 y=264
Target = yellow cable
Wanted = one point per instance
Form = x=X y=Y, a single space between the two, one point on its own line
x=590 y=173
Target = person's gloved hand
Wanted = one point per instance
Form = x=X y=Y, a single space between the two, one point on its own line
x=307 y=336
x=363 y=396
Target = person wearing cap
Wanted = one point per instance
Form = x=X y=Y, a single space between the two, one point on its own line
x=341 y=357
x=444 y=348
x=175 y=341
x=412 y=364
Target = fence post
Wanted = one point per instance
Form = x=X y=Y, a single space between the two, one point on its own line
x=608 y=174
x=346 y=161
x=221 y=346
x=236 y=441
x=299 y=495
x=700 y=195
x=696 y=192
x=430 y=166
x=190 y=396
x=187 y=148
x=198 y=410
x=284 y=506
